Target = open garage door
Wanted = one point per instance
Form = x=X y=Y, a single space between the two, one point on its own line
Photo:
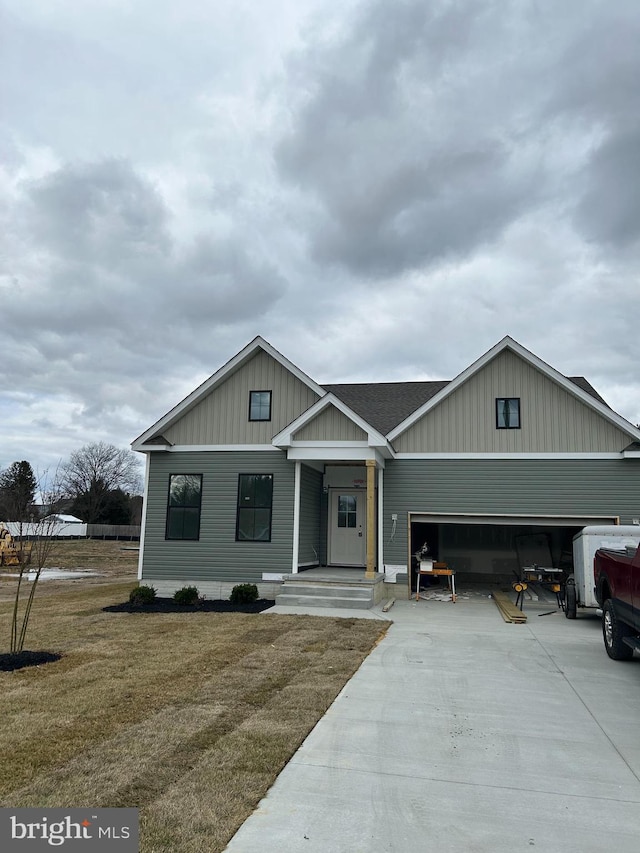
x=490 y=548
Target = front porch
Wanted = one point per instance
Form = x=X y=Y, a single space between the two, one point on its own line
x=346 y=588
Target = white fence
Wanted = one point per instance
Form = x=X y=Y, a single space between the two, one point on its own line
x=56 y=528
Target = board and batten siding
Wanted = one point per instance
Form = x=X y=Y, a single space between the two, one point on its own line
x=310 y=507
x=552 y=419
x=222 y=417
x=216 y=556
x=331 y=425
x=540 y=487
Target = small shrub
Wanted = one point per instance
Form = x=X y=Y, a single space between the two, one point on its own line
x=142 y=595
x=186 y=596
x=244 y=593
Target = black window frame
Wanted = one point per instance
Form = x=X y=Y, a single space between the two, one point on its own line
x=502 y=400
x=260 y=420
x=242 y=507
x=182 y=510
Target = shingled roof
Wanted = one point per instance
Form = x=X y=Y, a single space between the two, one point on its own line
x=386 y=404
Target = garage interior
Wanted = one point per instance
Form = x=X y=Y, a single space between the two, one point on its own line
x=493 y=550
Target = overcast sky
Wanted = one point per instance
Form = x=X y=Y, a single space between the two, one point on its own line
x=381 y=189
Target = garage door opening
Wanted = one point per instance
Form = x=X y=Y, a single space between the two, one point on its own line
x=489 y=550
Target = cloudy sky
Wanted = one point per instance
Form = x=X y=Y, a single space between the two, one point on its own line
x=381 y=188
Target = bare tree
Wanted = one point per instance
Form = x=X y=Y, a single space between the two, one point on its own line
x=32 y=550
x=94 y=471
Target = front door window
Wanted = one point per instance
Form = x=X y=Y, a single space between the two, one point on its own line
x=347 y=511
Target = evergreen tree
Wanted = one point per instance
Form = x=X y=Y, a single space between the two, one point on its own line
x=18 y=486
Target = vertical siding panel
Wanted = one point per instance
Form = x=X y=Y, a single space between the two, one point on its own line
x=552 y=419
x=222 y=417
x=329 y=425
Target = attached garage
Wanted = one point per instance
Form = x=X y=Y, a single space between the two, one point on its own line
x=485 y=548
x=484 y=517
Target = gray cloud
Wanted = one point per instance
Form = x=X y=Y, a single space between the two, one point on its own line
x=382 y=190
x=430 y=128
x=609 y=210
x=101 y=212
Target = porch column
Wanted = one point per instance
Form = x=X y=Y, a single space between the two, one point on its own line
x=371 y=518
x=296 y=517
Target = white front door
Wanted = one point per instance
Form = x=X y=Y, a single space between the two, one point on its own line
x=347 y=528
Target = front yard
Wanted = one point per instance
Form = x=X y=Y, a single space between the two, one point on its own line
x=189 y=717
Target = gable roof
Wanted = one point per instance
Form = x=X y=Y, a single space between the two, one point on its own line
x=152 y=435
x=386 y=404
x=382 y=408
x=576 y=386
x=286 y=436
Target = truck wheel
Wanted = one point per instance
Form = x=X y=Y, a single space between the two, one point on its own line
x=613 y=631
x=570 y=600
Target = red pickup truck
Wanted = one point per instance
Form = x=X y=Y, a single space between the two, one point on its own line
x=617 y=579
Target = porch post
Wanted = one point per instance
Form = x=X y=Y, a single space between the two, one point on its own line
x=371 y=518
x=296 y=517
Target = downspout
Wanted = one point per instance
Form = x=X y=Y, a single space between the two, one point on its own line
x=296 y=516
x=143 y=520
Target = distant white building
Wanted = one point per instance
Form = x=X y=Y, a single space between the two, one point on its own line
x=62 y=525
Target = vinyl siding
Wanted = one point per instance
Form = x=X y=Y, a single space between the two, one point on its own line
x=552 y=419
x=310 y=500
x=217 y=556
x=607 y=487
x=331 y=425
x=222 y=417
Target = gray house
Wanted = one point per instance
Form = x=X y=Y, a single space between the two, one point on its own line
x=261 y=472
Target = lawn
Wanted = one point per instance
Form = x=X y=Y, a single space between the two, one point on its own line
x=189 y=717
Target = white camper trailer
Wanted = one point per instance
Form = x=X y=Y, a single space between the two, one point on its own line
x=579 y=590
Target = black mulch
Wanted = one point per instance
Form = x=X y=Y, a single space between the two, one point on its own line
x=168 y=605
x=19 y=660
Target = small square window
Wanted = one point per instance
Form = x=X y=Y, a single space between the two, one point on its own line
x=260 y=405
x=508 y=413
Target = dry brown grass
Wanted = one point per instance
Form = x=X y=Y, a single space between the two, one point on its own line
x=189 y=717
x=111 y=560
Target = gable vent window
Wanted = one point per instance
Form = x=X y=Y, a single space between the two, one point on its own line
x=183 y=506
x=508 y=412
x=260 y=405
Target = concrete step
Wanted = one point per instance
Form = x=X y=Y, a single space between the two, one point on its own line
x=327 y=590
x=350 y=603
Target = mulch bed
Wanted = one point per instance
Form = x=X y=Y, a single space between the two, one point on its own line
x=168 y=605
x=20 y=660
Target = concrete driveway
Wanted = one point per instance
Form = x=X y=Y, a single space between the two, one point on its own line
x=463 y=733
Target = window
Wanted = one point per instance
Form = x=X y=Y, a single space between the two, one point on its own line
x=347 y=512
x=255 y=497
x=260 y=405
x=183 y=506
x=508 y=413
